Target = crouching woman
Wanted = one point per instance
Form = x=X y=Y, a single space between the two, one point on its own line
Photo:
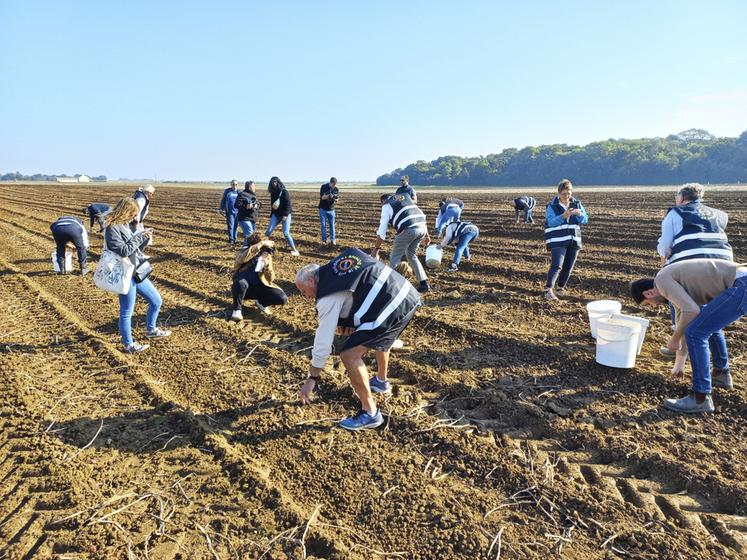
x=254 y=277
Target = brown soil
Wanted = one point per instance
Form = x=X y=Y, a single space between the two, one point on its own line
x=503 y=436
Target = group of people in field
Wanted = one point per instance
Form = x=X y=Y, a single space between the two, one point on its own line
x=371 y=303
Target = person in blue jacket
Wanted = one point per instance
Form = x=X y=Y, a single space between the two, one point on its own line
x=526 y=205
x=229 y=210
x=96 y=212
x=449 y=210
x=564 y=217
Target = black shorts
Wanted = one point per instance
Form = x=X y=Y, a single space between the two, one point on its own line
x=377 y=339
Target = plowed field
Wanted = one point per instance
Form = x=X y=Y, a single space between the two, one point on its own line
x=503 y=436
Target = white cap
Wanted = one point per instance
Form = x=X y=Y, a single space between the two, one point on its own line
x=149 y=189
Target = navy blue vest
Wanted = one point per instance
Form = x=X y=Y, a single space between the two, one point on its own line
x=567 y=234
x=702 y=235
x=461 y=228
x=405 y=213
x=381 y=296
x=144 y=212
x=524 y=203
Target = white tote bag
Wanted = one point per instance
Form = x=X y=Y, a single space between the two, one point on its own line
x=113 y=273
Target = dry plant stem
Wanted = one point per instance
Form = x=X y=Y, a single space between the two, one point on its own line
x=377 y=552
x=306 y=529
x=120 y=510
x=209 y=542
x=86 y=446
x=496 y=540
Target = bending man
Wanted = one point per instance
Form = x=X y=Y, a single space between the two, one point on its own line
x=372 y=304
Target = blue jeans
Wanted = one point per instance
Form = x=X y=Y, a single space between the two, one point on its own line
x=274 y=221
x=127 y=306
x=563 y=260
x=233 y=226
x=463 y=246
x=327 y=217
x=248 y=228
x=716 y=343
x=726 y=308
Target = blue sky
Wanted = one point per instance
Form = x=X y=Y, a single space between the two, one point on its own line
x=305 y=90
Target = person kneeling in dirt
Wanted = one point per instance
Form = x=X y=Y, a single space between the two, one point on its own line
x=707 y=295
x=253 y=277
x=365 y=299
x=462 y=234
x=70 y=230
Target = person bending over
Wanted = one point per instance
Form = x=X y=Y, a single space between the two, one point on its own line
x=707 y=295
x=371 y=304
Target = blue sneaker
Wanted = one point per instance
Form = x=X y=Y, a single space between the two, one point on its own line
x=378 y=386
x=363 y=421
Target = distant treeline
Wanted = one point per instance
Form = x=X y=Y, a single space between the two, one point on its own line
x=692 y=155
x=42 y=177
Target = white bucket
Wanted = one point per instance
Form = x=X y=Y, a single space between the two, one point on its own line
x=433 y=255
x=599 y=309
x=617 y=342
x=68 y=261
x=641 y=321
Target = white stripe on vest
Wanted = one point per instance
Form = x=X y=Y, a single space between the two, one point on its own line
x=388 y=310
x=705 y=251
x=371 y=295
x=704 y=236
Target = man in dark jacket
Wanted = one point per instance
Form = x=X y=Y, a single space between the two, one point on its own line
x=229 y=211
x=96 y=212
x=328 y=195
x=247 y=208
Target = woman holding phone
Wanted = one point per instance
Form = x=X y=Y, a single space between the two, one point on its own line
x=122 y=238
x=564 y=217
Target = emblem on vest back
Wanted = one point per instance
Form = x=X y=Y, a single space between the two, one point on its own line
x=399 y=197
x=346 y=264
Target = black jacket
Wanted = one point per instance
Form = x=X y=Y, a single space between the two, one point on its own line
x=285 y=202
x=248 y=206
x=328 y=204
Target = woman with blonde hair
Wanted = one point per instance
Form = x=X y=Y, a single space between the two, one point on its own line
x=254 y=277
x=121 y=238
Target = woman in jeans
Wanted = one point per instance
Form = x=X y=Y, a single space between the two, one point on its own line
x=461 y=234
x=253 y=278
x=563 y=219
x=281 y=211
x=121 y=238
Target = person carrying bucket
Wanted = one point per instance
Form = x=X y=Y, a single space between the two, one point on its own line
x=461 y=234
x=708 y=295
x=70 y=230
x=564 y=217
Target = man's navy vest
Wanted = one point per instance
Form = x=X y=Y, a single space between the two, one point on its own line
x=702 y=235
x=144 y=212
x=567 y=234
x=405 y=213
x=381 y=296
x=525 y=203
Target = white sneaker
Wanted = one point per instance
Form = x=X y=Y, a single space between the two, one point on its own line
x=136 y=347
x=237 y=316
x=263 y=309
x=295 y=253
x=157 y=333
